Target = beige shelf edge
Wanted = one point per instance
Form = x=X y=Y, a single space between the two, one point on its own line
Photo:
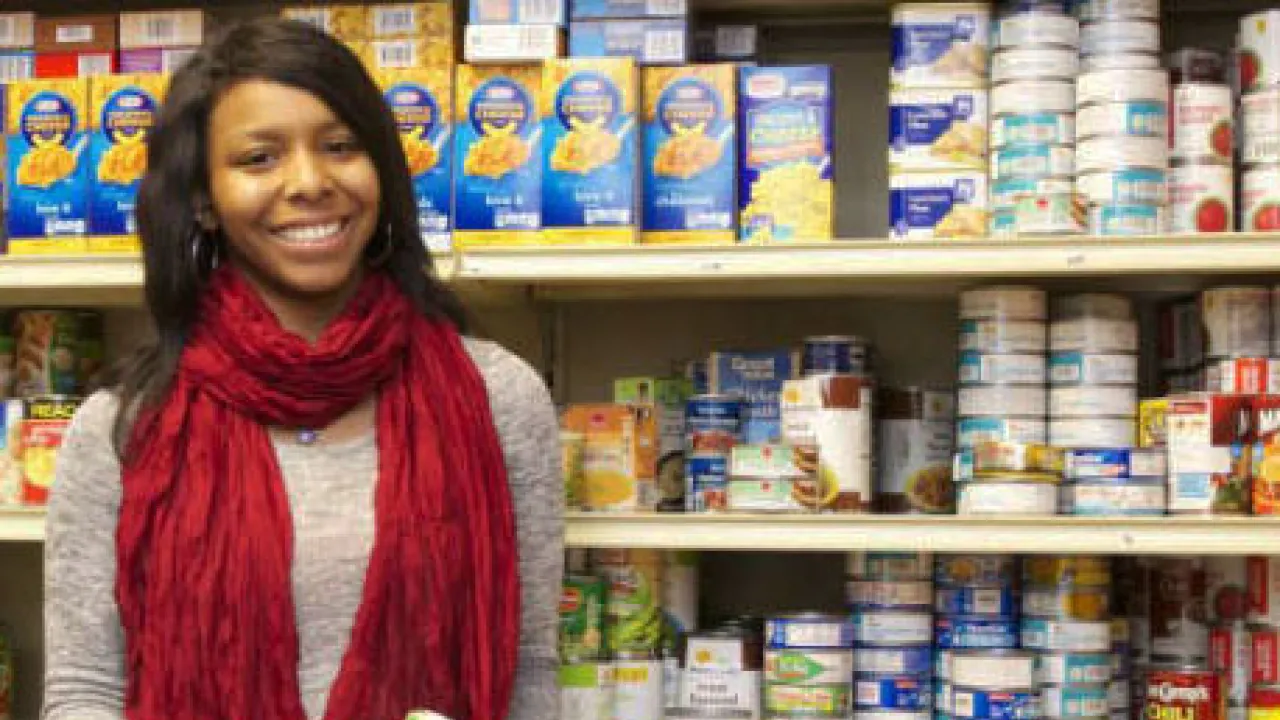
x=21 y=525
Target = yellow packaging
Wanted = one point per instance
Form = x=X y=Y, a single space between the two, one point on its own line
x=346 y=22
x=421 y=101
x=406 y=53
x=690 y=153
x=46 y=165
x=409 y=20
x=123 y=113
x=589 y=151
x=619 y=455
x=498 y=155
x=1152 y=423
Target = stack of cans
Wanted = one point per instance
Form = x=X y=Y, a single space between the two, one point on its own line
x=1132 y=604
x=999 y=322
x=1008 y=479
x=975 y=600
x=1202 y=144
x=1033 y=126
x=891 y=599
x=1237 y=323
x=1263 y=613
x=1230 y=639
x=1094 y=398
x=1122 y=119
x=1066 y=620
x=1105 y=482
x=808 y=666
x=1259 y=86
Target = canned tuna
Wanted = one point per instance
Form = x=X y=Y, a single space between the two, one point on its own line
x=1078 y=368
x=1058 y=668
x=1094 y=10
x=808 y=667
x=1093 y=432
x=1021 y=29
x=983 y=369
x=976 y=600
x=1111 y=499
x=1094 y=335
x=1102 y=153
x=1032 y=161
x=971 y=431
x=1124 y=185
x=1132 y=118
x=889 y=566
x=893 y=692
x=1093 y=401
x=891 y=628
x=1004 y=302
x=1109 y=86
x=807 y=631
x=976 y=703
x=963 y=632
x=1034 y=63
x=1066 y=635
x=993 y=336
x=894 y=661
x=975 y=570
x=1006 y=193
x=1041 y=215
x=1119 y=37
x=993 y=669
x=1127 y=219
x=1042 y=96
x=1001 y=400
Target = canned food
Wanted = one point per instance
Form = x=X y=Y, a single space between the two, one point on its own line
x=892 y=692
x=586 y=690
x=582 y=604
x=1124 y=185
x=1114 y=86
x=1203 y=123
x=1127 y=219
x=808 y=667
x=1119 y=37
x=1129 y=118
x=637 y=678
x=892 y=628
x=1202 y=198
x=829 y=701
x=1263 y=606
x=1066 y=635
x=1243 y=375
x=1007 y=498
x=1078 y=368
x=975 y=632
x=1259 y=54
x=1075 y=701
x=1095 y=10
x=1034 y=63
x=1260 y=118
x=1007 y=192
x=706 y=483
x=1074 y=570
x=995 y=336
x=1118 y=695
x=991 y=459
x=973 y=430
x=1004 y=302
x=884 y=595
x=46 y=419
x=1058 y=668
x=711 y=423
x=1226 y=581
x=1093 y=401
x=937 y=45
x=938 y=129
x=1041 y=96
x=975 y=570
x=1229 y=655
x=941 y=698
x=937 y=205
x=1094 y=335
x=988 y=369
x=1264 y=702
x=1019 y=704
x=1093 y=432
x=1013 y=31
x=1115 y=463
x=1002 y=400
x=762 y=495
x=1188 y=693
x=1178 y=615
x=840 y=354
x=1264 y=655
x=894 y=661
x=808 y=631
x=1041 y=215
x=1111 y=152
x=1260 y=197
x=1237 y=320
x=1127 y=61
x=1067 y=603
x=889 y=566
x=993 y=669
x=976 y=600
x=1032 y=161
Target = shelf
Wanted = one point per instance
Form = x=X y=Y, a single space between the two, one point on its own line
x=97 y=280
x=833 y=533
x=22 y=525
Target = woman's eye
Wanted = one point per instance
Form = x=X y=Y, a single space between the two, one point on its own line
x=342 y=147
x=255 y=159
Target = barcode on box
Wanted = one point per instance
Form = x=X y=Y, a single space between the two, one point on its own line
x=16 y=67
x=396 y=54
x=8 y=31
x=550 y=12
x=160 y=31
x=664 y=46
x=72 y=34
x=665 y=7
x=394 y=20
x=95 y=64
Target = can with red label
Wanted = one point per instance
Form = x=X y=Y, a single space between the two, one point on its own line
x=1184 y=693
x=1264 y=655
x=1201 y=197
x=1263 y=588
x=1225 y=580
x=1230 y=650
x=1202 y=121
x=1241 y=375
x=1179 y=629
x=1264 y=702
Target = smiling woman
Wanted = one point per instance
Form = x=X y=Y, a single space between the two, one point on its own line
x=311 y=496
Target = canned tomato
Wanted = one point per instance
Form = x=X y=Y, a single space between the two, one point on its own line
x=1095 y=10
x=1260 y=120
x=1032 y=161
x=975 y=600
x=1202 y=198
x=996 y=669
x=808 y=667
x=1065 y=635
x=1004 y=302
x=1075 y=701
x=937 y=205
x=1184 y=693
x=940 y=45
x=1260 y=197
x=46 y=419
x=1230 y=654
x=841 y=354
x=1041 y=96
x=1019 y=704
x=937 y=129
x=1259 y=54
x=1014 y=497
x=1202 y=122
x=997 y=336
x=1078 y=368
x=1066 y=570
x=973 y=430
x=975 y=632
x=887 y=595
x=1242 y=375
x=1002 y=400
x=1041 y=215
x=1034 y=63
x=889 y=566
x=1119 y=37
x=891 y=628
x=1007 y=192
x=824 y=701
x=1111 y=152
x=892 y=692
x=1127 y=85
x=962 y=570
x=1058 y=668
x=1094 y=335
x=1130 y=118
x=1093 y=432
x=1124 y=185
x=894 y=661
x=977 y=368
x=711 y=423
x=706 y=483
x=808 y=631
x=1127 y=219
x=1068 y=603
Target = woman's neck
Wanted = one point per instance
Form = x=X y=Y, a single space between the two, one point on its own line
x=306 y=316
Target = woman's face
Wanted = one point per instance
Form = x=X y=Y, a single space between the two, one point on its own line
x=294 y=193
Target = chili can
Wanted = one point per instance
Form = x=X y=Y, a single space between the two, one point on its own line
x=1184 y=693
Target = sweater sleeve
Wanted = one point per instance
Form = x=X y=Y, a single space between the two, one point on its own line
x=529 y=430
x=84 y=643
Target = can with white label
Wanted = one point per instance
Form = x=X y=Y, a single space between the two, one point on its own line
x=891 y=566
x=976 y=368
x=938 y=129
x=1237 y=320
x=996 y=336
x=1201 y=198
x=1078 y=368
x=1021 y=29
x=1066 y=668
x=1203 y=122
x=1260 y=198
x=1260 y=120
x=1119 y=37
x=993 y=668
x=1003 y=400
x=1144 y=185
x=1066 y=635
x=1093 y=432
x=915 y=442
x=1004 y=302
x=1094 y=304
x=1084 y=401
x=889 y=595
x=892 y=628
x=1127 y=219
x=995 y=497
x=1123 y=85
x=1094 y=10
x=1112 y=152
x=1032 y=161
x=972 y=431
x=1259 y=54
x=587 y=691
x=1058 y=214
x=1128 y=61
x=1094 y=335
x=1132 y=118
x=1074 y=701
x=1008 y=191
x=1034 y=63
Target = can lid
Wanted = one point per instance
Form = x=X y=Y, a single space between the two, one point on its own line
x=720 y=713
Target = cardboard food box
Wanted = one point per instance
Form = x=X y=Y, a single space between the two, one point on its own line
x=76 y=33
x=46 y=124
x=421 y=100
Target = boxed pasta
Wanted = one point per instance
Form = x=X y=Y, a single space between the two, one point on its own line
x=122 y=114
x=18 y=30
x=689 y=154
x=517 y=12
x=78 y=33
x=589 y=151
x=381 y=55
x=160 y=29
x=409 y=20
x=498 y=156
x=346 y=22
x=786 y=191
x=599 y=9
x=422 y=103
x=46 y=169
x=651 y=41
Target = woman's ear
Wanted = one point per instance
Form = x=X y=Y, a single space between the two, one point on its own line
x=205 y=217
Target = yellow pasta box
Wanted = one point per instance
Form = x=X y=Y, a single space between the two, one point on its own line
x=47 y=166
x=346 y=22
x=498 y=156
x=422 y=103
x=690 y=152
x=589 y=151
x=410 y=20
x=786 y=188
x=123 y=113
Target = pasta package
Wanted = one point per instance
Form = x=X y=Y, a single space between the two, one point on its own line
x=786 y=190
x=345 y=22
x=497 y=155
x=422 y=103
x=123 y=113
x=46 y=167
x=589 y=151
x=690 y=154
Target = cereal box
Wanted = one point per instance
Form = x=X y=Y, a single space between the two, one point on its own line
x=689 y=156
x=498 y=157
x=46 y=168
x=347 y=22
x=422 y=102
x=123 y=112
x=619 y=458
x=651 y=41
x=594 y=9
x=589 y=151
x=757 y=377
x=786 y=188
x=518 y=12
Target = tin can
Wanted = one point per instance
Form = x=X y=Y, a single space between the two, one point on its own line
x=976 y=368
x=916 y=439
x=1093 y=401
x=637 y=678
x=1016 y=704
x=889 y=595
x=995 y=599
x=962 y=570
x=993 y=669
x=1264 y=702
x=1001 y=400
x=1075 y=701
x=1032 y=161
x=973 y=430
x=1242 y=375
x=823 y=701
x=1102 y=153
x=975 y=632
x=1264 y=655
x=587 y=690
x=1202 y=198
x=721 y=670
x=808 y=667
x=1007 y=498
x=1034 y=63
x=582 y=619
x=1237 y=320
x=1006 y=193
x=1067 y=602
x=938 y=205
x=941 y=698
x=1127 y=498
x=46 y=419
x=633 y=581
x=940 y=45
x=47 y=344
x=1065 y=635
x=889 y=566
x=1093 y=432
x=1124 y=185
x=1187 y=693
x=894 y=661
x=1119 y=696
x=938 y=129
x=1127 y=61
x=1070 y=369
x=1129 y=118
x=808 y=631
x=1203 y=123
x=1179 y=630
x=1259 y=54
x=1113 y=86
x=706 y=483
x=1095 y=10
x=1022 y=29
x=944 y=665
x=1094 y=335
x=892 y=628
x=1260 y=127
x=1072 y=570
x=999 y=459
x=1062 y=214
x=1004 y=302
x=1119 y=37
x=840 y=354
x=1127 y=220
x=995 y=336
x=1230 y=655
x=1260 y=198
x=1066 y=668
x=892 y=692
x=1041 y=95
x=1226 y=588
x=1110 y=306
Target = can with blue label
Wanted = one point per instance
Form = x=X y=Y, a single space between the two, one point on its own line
x=985 y=704
x=1075 y=701
x=975 y=632
x=808 y=631
x=1107 y=463
x=892 y=628
x=892 y=692
x=1066 y=668
x=917 y=660
x=712 y=424
x=835 y=354
x=706 y=483
x=997 y=599
x=1066 y=635
x=975 y=570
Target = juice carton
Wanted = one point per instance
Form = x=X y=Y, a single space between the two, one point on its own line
x=46 y=165
x=422 y=102
x=123 y=112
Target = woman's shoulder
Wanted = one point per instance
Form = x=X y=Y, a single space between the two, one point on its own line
x=510 y=380
x=96 y=417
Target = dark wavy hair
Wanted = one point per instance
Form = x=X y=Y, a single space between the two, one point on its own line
x=176 y=185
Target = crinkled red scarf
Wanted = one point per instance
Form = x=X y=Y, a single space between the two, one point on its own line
x=205 y=539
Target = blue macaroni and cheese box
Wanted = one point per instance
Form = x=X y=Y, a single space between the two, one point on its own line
x=46 y=165
x=689 y=161
x=590 y=151
x=756 y=377
x=498 y=155
x=421 y=101
x=123 y=113
x=600 y=9
x=786 y=190
x=650 y=41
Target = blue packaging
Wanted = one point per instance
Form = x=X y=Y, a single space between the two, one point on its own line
x=650 y=41
x=834 y=354
x=917 y=123
x=976 y=600
x=599 y=9
x=1033 y=128
x=924 y=206
x=922 y=47
x=973 y=632
x=706 y=482
x=47 y=169
x=756 y=377
x=517 y=12
x=720 y=415
x=421 y=101
x=1114 y=463
x=806 y=631
x=894 y=660
x=980 y=704
x=1080 y=368
x=892 y=692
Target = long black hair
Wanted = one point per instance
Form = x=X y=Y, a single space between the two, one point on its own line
x=179 y=259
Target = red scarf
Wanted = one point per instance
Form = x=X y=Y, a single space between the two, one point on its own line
x=205 y=540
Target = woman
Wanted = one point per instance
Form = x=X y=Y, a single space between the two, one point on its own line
x=310 y=498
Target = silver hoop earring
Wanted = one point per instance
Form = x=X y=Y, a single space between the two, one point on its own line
x=389 y=249
x=204 y=250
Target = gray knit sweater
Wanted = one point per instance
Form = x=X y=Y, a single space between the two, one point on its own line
x=330 y=490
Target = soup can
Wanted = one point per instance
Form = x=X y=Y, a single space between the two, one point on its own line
x=1203 y=123
x=1259 y=55
x=1260 y=198
x=1124 y=185
x=1202 y=198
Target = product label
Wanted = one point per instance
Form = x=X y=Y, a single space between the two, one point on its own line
x=950 y=207
x=422 y=103
x=1044 y=128
x=1073 y=669
x=947 y=47
x=994 y=705
x=48 y=178
x=125 y=110
x=945 y=132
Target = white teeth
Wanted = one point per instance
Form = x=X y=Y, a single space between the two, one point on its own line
x=310 y=233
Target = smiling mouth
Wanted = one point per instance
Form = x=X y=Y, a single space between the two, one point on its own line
x=313 y=234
